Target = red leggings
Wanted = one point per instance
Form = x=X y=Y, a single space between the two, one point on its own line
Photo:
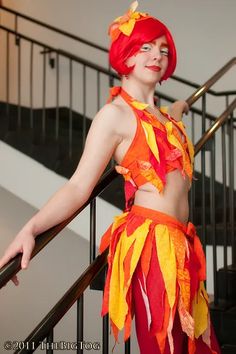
x=147 y=343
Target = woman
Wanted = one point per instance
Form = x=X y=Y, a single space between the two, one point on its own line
x=156 y=263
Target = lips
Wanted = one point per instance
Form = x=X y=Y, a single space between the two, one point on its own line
x=154 y=68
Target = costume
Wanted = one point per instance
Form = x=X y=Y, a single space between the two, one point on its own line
x=156 y=265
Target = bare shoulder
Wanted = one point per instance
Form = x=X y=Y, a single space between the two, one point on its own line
x=112 y=116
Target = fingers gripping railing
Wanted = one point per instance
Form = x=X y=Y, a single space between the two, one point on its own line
x=7 y=272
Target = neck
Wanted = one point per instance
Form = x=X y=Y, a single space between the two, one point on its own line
x=140 y=92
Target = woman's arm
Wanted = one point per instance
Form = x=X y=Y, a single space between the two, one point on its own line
x=101 y=142
x=177 y=109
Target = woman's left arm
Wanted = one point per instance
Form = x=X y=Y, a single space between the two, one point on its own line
x=177 y=109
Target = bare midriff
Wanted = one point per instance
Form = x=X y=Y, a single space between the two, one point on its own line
x=173 y=200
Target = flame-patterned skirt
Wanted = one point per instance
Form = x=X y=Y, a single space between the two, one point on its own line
x=166 y=258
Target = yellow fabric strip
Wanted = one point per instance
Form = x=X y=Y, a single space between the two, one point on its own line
x=139 y=105
x=119 y=220
x=200 y=310
x=151 y=139
x=167 y=261
x=189 y=142
x=174 y=141
x=118 y=307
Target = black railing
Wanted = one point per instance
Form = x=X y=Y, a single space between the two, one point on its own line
x=217 y=227
x=45 y=327
x=27 y=92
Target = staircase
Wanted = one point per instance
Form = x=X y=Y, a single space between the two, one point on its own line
x=55 y=137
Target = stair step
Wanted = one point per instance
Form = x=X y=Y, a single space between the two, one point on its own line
x=219 y=232
x=20 y=139
x=224 y=321
x=228 y=349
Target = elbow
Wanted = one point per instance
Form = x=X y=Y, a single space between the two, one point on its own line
x=82 y=191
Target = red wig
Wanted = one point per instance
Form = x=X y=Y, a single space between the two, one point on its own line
x=146 y=29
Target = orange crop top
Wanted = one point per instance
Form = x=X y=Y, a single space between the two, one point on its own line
x=157 y=148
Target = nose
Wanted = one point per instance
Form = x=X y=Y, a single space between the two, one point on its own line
x=157 y=54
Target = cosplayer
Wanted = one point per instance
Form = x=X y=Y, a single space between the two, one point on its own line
x=156 y=265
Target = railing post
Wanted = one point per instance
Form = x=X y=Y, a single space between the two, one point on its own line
x=105 y=334
x=70 y=107
x=203 y=175
x=92 y=230
x=84 y=104
x=57 y=96
x=193 y=189
x=213 y=217
x=225 y=226
x=231 y=190
x=49 y=343
x=80 y=323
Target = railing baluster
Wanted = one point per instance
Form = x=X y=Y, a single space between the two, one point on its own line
x=57 y=96
x=44 y=97
x=231 y=189
x=225 y=226
x=19 y=88
x=213 y=216
x=98 y=91
x=7 y=74
x=31 y=84
x=203 y=176
x=110 y=77
x=80 y=323
x=192 y=190
x=127 y=346
x=49 y=343
x=92 y=230
x=105 y=334
x=84 y=104
x=16 y=30
x=70 y=108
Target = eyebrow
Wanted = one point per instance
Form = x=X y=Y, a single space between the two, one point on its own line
x=163 y=44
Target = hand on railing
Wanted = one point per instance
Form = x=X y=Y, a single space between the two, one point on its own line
x=178 y=108
x=24 y=243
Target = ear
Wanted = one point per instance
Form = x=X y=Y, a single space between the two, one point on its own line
x=130 y=61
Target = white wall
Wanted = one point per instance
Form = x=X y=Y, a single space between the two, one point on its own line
x=48 y=277
x=35 y=184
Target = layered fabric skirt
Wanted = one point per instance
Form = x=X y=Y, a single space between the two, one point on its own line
x=156 y=272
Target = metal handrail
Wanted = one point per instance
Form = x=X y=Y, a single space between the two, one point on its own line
x=93 y=45
x=52 y=28
x=50 y=49
x=209 y=83
x=41 y=331
x=218 y=123
x=14 y=265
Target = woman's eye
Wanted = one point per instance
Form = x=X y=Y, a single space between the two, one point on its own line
x=165 y=51
x=145 y=47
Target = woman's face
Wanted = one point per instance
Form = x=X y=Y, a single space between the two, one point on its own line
x=151 y=61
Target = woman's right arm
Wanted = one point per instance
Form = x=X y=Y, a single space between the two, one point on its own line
x=102 y=140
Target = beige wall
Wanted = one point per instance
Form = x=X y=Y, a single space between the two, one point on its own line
x=48 y=277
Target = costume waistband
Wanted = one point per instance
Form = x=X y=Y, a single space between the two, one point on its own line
x=160 y=217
